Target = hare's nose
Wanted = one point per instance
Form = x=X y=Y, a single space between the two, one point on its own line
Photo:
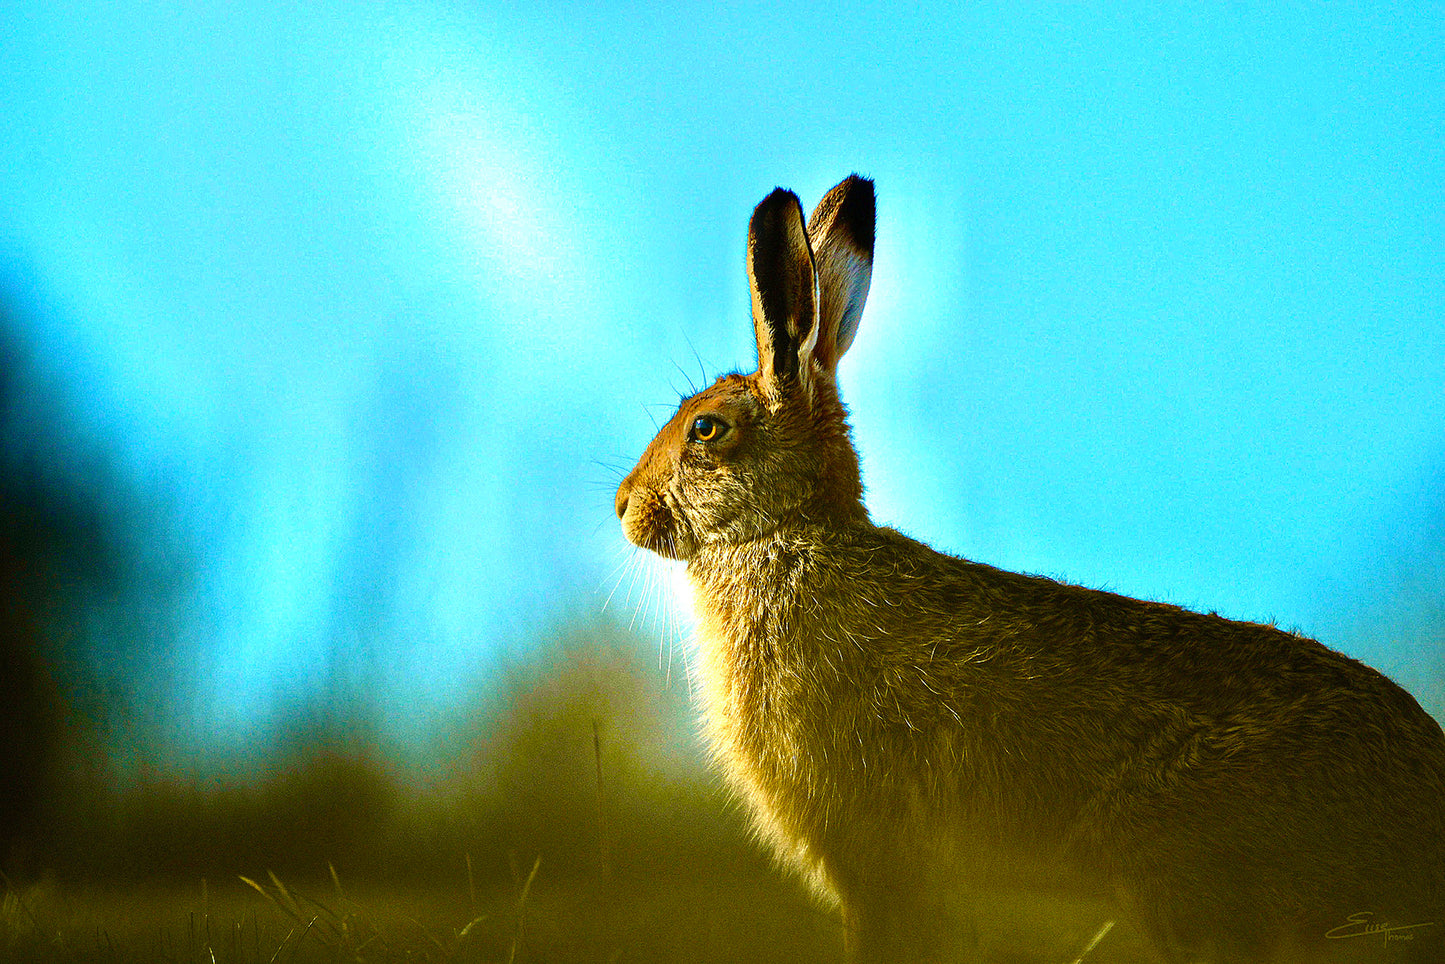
x=622 y=501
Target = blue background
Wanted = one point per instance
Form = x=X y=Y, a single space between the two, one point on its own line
x=369 y=307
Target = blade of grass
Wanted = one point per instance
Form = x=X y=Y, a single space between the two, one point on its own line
x=471 y=883
x=465 y=932
x=522 y=909
x=527 y=887
x=1094 y=942
x=294 y=907
x=300 y=940
x=429 y=936
x=264 y=893
x=284 y=941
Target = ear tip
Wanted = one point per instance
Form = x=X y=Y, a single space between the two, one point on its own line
x=781 y=209
x=856 y=182
x=858 y=209
x=778 y=198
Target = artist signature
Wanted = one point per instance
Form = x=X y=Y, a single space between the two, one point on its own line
x=1362 y=925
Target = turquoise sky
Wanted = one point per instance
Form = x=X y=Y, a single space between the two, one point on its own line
x=378 y=299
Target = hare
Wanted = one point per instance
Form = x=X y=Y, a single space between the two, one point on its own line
x=917 y=733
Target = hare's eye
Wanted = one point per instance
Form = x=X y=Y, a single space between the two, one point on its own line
x=706 y=428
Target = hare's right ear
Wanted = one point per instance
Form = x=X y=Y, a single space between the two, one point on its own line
x=841 y=232
x=780 y=273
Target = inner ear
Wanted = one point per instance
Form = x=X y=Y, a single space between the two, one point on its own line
x=841 y=233
x=781 y=276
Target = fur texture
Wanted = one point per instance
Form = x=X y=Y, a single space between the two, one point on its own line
x=917 y=732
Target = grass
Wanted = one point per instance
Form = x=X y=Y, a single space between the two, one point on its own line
x=271 y=921
x=529 y=919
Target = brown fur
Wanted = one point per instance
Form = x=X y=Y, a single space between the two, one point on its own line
x=918 y=733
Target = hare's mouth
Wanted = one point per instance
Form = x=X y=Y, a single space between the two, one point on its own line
x=651 y=524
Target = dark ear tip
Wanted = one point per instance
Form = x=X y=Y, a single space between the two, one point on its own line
x=778 y=202
x=856 y=182
x=859 y=210
x=848 y=211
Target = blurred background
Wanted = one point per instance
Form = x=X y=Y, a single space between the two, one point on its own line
x=327 y=331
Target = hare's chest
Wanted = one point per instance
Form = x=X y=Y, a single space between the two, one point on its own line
x=743 y=690
x=763 y=739
x=766 y=713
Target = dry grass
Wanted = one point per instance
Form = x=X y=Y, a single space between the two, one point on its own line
x=274 y=922
x=660 y=919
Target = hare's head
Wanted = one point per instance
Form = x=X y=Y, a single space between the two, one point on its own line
x=753 y=453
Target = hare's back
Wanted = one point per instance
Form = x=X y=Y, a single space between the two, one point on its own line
x=1074 y=645
x=1186 y=740
x=1174 y=749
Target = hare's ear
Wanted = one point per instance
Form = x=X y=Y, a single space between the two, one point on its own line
x=841 y=232
x=780 y=273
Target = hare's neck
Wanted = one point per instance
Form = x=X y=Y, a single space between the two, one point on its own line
x=739 y=589
x=746 y=597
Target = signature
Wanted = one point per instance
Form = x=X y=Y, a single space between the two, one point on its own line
x=1361 y=925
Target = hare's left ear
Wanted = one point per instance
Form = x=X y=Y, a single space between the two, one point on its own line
x=841 y=232
x=780 y=273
